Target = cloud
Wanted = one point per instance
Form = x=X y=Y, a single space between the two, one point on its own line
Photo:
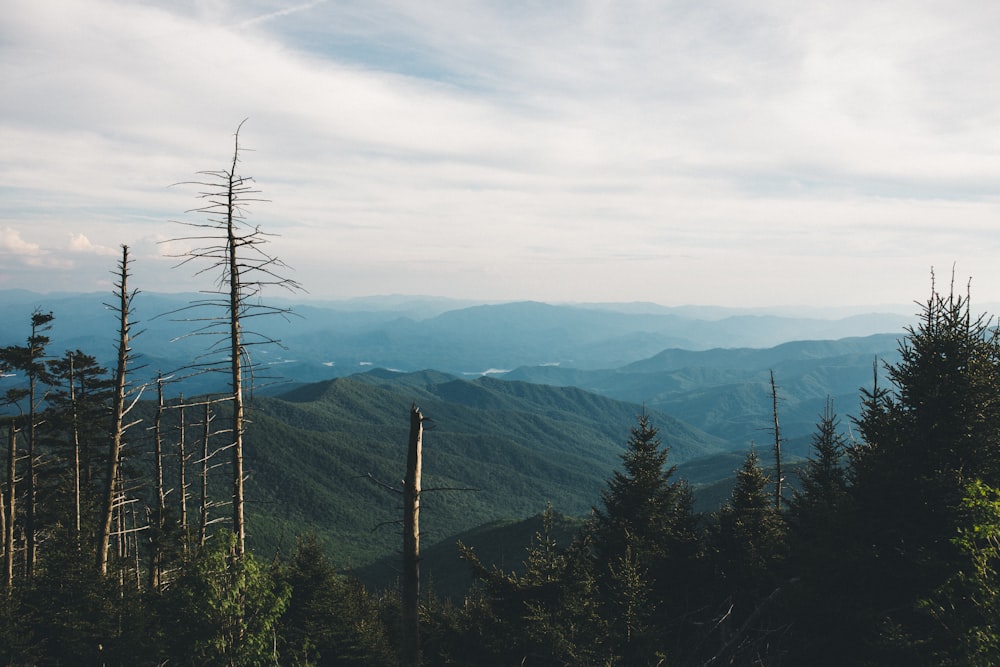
x=11 y=243
x=500 y=140
x=79 y=243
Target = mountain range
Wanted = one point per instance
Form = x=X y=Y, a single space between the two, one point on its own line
x=530 y=403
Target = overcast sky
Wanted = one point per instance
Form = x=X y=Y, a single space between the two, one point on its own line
x=692 y=152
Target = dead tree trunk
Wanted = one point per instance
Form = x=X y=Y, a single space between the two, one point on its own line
x=777 y=446
x=156 y=555
x=181 y=474
x=118 y=411
x=203 y=523
x=411 y=542
x=11 y=495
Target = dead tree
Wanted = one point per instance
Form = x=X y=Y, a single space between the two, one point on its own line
x=411 y=541
x=182 y=472
x=157 y=523
x=234 y=249
x=777 y=445
x=8 y=555
x=119 y=410
x=411 y=491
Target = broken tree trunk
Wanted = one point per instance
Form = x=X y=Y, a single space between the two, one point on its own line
x=411 y=543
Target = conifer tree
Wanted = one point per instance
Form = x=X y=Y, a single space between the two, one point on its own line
x=924 y=442
x=29 y=359
x=644 y=540
x=642 y=505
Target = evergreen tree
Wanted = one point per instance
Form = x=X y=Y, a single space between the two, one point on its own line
x=645 y=543
x=330 y=618
x=546 y=616
x=822 y=561
x=924 y=442
x=749 y=549
x=822 y=490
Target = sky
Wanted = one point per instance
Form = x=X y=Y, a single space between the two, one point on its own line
x=715 y=152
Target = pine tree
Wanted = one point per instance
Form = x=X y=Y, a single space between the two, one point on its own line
x=643 y=507
x=644 y=541
x=924 y=442
x=750 y=548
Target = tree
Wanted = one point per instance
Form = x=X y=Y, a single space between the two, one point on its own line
x=330 y=619
x=823 y=556
x=119 y=410
x=924 y=441
x=643 y=508
x=750 y=548
x=547 y=615
x=822 y=490
x=644 y=538
x=235 y=249
x=80 y=405
x=29 y=359
x=223 y=608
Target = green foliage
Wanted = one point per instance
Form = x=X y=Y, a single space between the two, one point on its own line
x=967 y=606
x=224 y=609
x=548 y=615
x=330 y=619
x=750 y=535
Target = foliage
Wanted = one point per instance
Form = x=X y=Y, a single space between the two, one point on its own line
x=224 y=608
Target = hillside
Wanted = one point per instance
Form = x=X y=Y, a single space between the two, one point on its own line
x=520 y=446
x=726 y=392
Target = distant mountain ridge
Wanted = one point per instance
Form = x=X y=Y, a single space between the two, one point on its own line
x=343 y=338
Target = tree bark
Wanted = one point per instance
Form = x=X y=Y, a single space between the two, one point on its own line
x=11 y=495
x=777 y=446
x=411 y=542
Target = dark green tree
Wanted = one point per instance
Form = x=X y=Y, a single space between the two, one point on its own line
x=822 y=492
x=749 y=549
x=546 y=615
x=645 y=545
x=822 y=559
x=924 y=441
x=330 y=620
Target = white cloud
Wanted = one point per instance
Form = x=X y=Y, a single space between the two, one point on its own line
x=525 y=148
x=79 y=243
x=12 y=243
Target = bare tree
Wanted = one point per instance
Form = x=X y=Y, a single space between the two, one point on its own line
x=234 y=248
x=777 y=445
x=8 y=555
x=411 y=491
x=411 y=540
x=119 y=409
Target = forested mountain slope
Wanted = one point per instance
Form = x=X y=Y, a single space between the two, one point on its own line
x=519 y=445
x=727 y=391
